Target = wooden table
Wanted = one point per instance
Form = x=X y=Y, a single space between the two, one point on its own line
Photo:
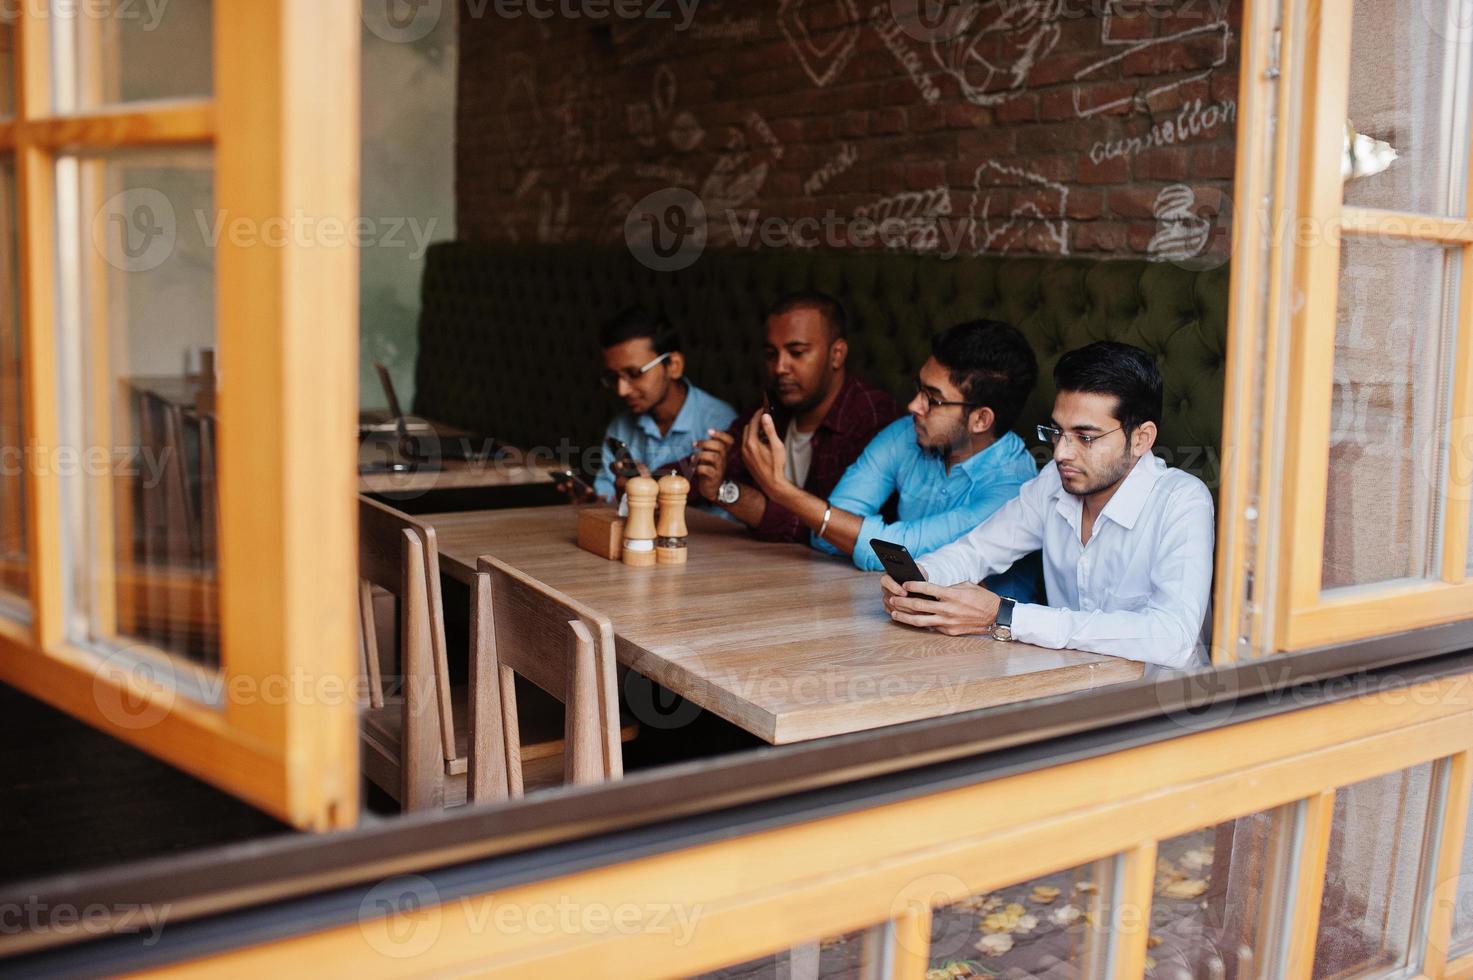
x=508 y=467
x=777 y=639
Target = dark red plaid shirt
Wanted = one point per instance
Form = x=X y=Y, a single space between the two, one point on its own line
x=857 y=415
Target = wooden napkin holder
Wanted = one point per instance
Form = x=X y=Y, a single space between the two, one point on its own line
x=601 y=531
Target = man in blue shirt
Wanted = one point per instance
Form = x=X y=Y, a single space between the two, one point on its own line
x=666 y=413
x=953 y=461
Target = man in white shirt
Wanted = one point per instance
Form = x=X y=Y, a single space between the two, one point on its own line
x=1127 y=542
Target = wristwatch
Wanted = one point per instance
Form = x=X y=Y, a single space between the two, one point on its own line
x=1002 y=628
x=728 y=494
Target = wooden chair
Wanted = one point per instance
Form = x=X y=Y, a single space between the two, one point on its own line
x=430 y=744
x=557 y=647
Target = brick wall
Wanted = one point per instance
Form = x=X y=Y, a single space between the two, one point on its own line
x=1081 y=127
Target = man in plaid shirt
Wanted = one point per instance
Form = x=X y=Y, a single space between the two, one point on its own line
x=824 y=414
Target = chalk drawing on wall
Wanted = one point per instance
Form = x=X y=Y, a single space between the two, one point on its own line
x=518 y=100
x=1087 y=101
x=847 y=156
x=552 y=218
x=638 y=40
x=921 y=212
x=732 y=184
x=822 y=60
x=685 y=133
x=764 y=133
x=1181 y=233
x=643 y=118
x=1016 y=210
x=894 y=36
x=997 y=44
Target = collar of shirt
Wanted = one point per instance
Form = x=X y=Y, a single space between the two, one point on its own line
x=684 y=419
x=1124 y=508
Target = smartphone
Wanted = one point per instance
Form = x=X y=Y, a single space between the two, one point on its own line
x=897 y=561
x=578 y=483
x=623 y=463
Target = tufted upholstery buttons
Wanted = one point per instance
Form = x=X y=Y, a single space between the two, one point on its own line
x=506 y=333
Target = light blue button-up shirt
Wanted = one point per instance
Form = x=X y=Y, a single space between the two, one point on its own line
x=700 y=412
x=936 y=506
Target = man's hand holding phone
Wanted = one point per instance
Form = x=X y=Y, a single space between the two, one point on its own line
x=954 y=610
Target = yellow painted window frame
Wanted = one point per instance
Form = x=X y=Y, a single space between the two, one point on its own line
x=284 y=127
x=891 y=865
x=1304 y=616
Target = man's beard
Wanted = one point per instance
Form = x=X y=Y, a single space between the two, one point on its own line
x=1114 y=475
x=952 y=440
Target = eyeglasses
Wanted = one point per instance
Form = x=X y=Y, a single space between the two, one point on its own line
x=610 y=379
x=1053 y=436
x=932 y=401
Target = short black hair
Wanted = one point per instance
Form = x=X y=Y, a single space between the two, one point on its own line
x=636 y=322
x=1110 y=368
x=830 y=310
x=992 y=365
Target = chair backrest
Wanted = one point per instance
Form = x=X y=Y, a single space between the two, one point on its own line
x=567 y=650
x=402 y=556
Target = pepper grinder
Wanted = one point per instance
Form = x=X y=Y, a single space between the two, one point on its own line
x=670 y=543
x=639 y=529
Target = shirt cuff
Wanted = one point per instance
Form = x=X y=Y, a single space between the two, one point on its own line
x=864 y=555
x=1038 y=625
x=780 y=524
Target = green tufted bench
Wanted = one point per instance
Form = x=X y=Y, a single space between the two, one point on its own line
x=506 y=333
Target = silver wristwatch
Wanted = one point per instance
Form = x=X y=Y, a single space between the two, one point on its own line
x=729 y=494
x=1002 y=628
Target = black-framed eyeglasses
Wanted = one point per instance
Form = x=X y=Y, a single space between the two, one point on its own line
x=933 y=402
x=1053 y=436
x=610 y=379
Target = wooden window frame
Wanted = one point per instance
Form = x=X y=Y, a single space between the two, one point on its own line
x=771 y=887
x=1305 y=616
x=285 y=133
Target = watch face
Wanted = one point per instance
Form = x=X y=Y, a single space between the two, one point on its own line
x=728 y=493
x=1002 y=633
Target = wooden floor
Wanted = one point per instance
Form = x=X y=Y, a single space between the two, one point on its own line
x=72 y=798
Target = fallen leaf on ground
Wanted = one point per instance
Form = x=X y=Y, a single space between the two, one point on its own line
x=1043 y=894
x=1186 y=888
x=1086 y=887
x=995 y=944
x=1066 y=915
x=1152 y=942
x=1196 y=860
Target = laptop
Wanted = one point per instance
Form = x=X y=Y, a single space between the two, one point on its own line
x=450 y=442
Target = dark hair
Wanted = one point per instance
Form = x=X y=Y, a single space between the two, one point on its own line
x=834 y=316
x=991 y=364
x=1110 y=368
x=636 y=322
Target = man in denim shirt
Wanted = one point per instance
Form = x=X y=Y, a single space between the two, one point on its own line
x=666 y=413
x=953 y=461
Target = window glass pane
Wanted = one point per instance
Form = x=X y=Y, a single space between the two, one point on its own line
x=117 y=51
x=1219 y=900
x=1389 y=414
x=7 y=60
x=1408 y=106
x=1462 y=936
x=13 y=575
x=138 y=306
x=1055 y=925
x=836 y=956
x=1377 y=844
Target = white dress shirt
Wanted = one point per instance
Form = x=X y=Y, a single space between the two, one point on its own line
x=1140 y=589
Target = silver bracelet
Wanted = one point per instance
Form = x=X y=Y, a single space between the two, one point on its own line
x=828 y=511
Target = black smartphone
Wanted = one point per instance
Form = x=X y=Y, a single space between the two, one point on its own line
x=897 y=561
x=578 y=483
x=623 y=462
